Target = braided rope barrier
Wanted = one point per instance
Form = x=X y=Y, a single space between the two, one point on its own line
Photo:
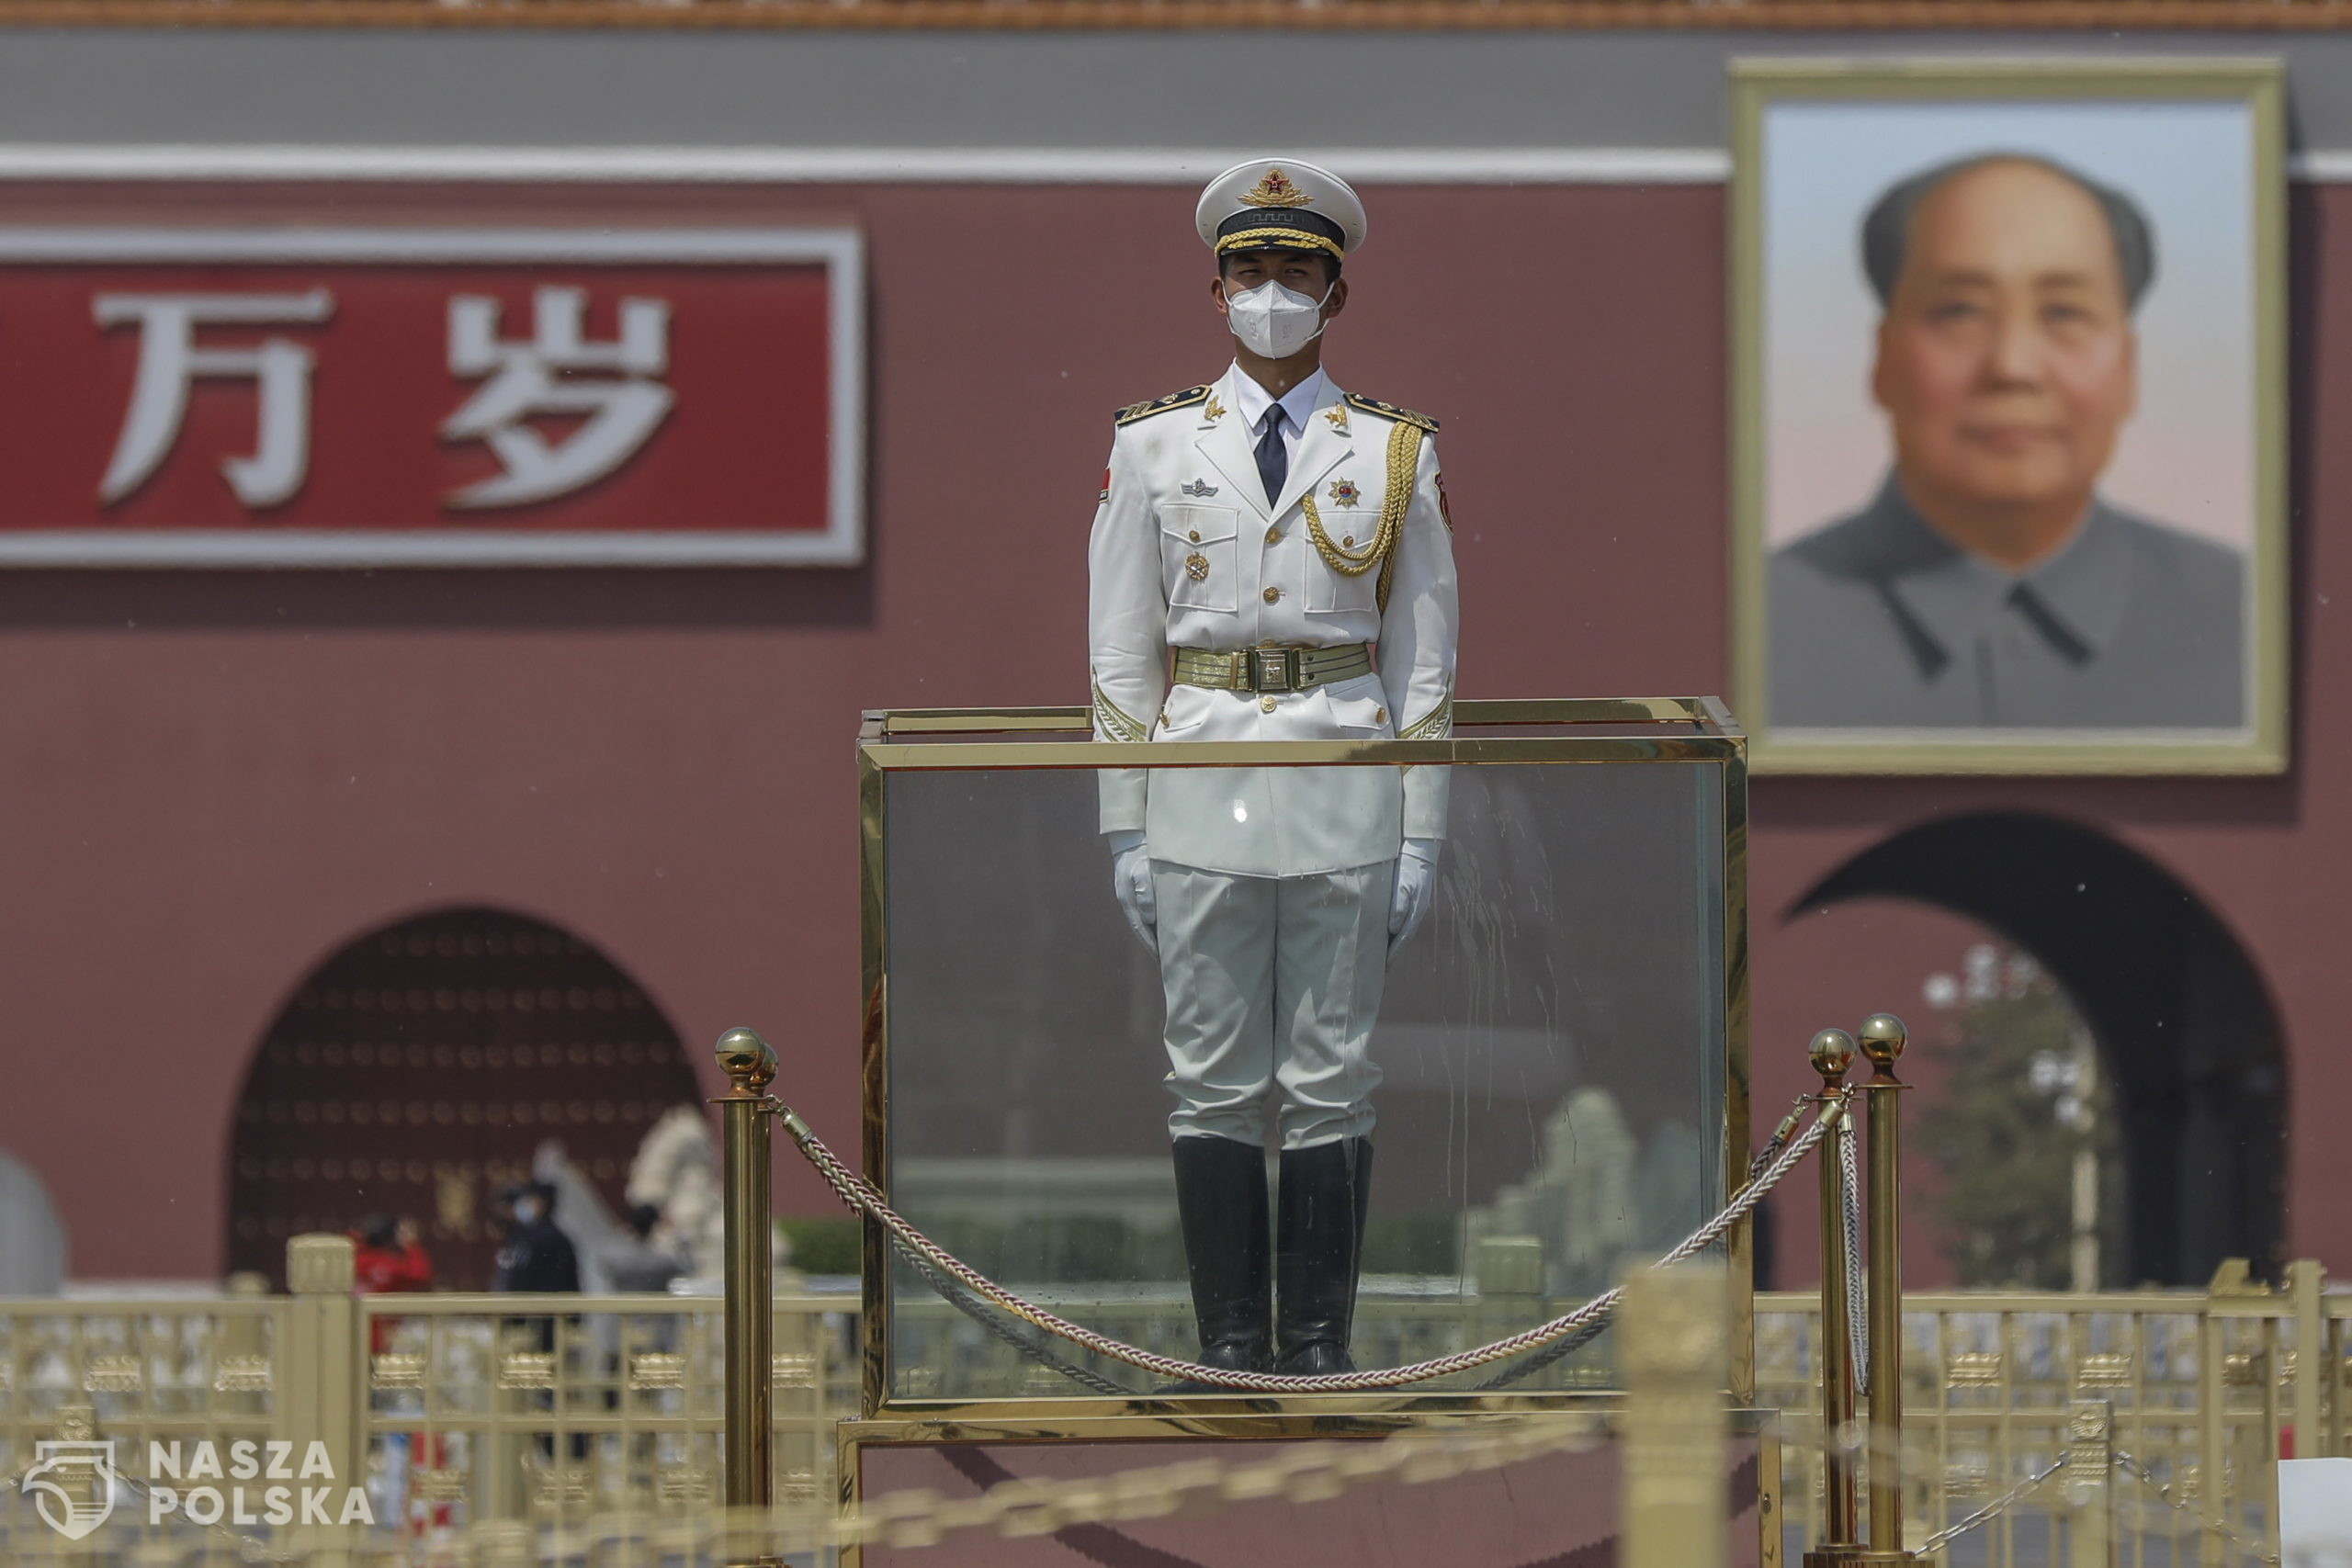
x=1031 y=1349
x=1857 y=1321
x=862 y=1195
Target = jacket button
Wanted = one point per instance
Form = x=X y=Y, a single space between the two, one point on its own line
x=1348 y=540
x=1194 y=536
x=1380 y=716
x=1273 y=536
x=1265 y=704
x=1272 y=595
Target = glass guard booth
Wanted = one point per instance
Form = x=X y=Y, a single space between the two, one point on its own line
x=1561 y=1046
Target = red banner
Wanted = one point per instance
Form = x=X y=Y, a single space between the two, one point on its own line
x=318 y=397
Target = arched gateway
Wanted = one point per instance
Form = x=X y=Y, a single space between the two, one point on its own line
x=415 y=1071
x=2186 y=1028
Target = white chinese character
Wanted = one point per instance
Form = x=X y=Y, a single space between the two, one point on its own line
x=621 y=412
x=169 y=360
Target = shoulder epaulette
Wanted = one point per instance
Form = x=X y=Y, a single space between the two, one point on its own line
x=1150 y=406
x=1389 y=411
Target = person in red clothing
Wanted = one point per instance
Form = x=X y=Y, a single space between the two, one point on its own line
x=390 y=1257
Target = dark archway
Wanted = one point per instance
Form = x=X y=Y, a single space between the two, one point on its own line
x=2185 y=1025
x=415 y=1071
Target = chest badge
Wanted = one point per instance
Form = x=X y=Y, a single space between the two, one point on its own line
x=1196 y=567
x=1345 y=492
x=1199 y=489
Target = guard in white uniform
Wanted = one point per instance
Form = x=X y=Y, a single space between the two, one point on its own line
x=1272 y=560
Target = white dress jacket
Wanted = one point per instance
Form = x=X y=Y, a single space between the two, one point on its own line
x=1188 y=551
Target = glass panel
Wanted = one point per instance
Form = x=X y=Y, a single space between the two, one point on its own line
x=1549 y=1049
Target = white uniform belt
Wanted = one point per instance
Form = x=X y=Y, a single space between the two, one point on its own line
x=1271 y=667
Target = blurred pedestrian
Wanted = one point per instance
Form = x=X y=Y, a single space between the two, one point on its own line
x=631 y=1261
x=388 y=1256
x=538 y=1256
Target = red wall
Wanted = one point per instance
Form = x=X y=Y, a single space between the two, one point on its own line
x=216 y=778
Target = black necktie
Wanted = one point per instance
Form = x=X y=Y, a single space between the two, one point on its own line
x=1273 y=458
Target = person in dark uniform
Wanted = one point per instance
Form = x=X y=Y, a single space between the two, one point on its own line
x=538 y=1258
x=1988 y=584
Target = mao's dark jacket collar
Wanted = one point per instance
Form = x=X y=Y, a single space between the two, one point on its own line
x=1941 y=596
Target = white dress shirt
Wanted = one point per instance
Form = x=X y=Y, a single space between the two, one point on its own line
x=1255 y=404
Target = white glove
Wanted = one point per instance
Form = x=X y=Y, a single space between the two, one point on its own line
x=1131 y=881
x=1415 y=882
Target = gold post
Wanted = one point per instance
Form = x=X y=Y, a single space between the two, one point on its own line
x=322 y=1362
x=2306 y=1281
x=1882 y=1036
x=1676 y=1356
x=2089 y=1492
x=750 y=1066
x=1831 y=1052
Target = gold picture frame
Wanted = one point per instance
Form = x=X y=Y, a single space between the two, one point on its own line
x=1768 y=97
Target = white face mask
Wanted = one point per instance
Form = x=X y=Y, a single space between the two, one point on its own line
x=1273 y=322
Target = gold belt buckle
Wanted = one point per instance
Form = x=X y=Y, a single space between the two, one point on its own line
x=1274 y=668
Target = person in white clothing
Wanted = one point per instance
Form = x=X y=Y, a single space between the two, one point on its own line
x=1272 y=560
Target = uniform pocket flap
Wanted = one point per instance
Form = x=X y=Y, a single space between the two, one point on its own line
x=1360 y=716
x=1185 y=710
x=1200 y=524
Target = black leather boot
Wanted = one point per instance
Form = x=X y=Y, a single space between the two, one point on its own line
x=1221 y=1200
x=1318 y=1250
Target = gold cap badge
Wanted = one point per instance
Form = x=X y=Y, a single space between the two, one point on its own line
x=1275 y=189
x=1297 y=203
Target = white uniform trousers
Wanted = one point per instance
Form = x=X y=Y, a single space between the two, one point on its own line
x=1273 y=982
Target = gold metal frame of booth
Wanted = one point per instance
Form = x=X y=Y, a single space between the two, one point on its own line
x=1648 y=731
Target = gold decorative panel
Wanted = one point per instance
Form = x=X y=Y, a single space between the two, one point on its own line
x=112 y=1374
x=396 y=1368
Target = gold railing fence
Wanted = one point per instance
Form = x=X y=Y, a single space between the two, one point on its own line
x=2203 y=1391
x=450 y=1411
x=614 y=1403
x=548 y=1415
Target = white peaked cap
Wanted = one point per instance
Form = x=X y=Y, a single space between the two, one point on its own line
x=1276 y=203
